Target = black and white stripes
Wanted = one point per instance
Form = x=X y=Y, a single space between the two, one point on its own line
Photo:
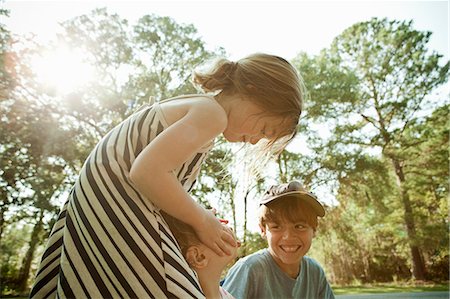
x=109 y=241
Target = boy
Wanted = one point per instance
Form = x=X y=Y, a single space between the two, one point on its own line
x=205 y=262
x=288 y=220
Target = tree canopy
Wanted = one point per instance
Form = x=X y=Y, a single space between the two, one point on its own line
x=375 y=128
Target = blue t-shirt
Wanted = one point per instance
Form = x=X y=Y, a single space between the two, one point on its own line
x=258 y=276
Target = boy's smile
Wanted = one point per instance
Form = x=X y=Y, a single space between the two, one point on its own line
x=288 y=243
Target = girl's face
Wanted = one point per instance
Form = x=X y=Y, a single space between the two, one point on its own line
x=214 y=262
x=220 y=262
x=247 y=122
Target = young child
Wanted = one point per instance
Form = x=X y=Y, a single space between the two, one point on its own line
x=288 y=220
x=205 y=262
x=108 y=239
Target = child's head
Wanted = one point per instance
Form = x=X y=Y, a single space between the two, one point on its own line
x=269 y=81
x=288 y=220
x=198 y=255
x=290 y=202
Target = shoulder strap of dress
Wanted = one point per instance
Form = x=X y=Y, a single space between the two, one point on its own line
x=152 y=100
x=184 y=96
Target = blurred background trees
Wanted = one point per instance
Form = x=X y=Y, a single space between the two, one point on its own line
x=375 y=126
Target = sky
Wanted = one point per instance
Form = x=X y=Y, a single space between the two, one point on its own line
x=284 y=28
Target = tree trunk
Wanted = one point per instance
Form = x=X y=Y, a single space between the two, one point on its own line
x=417 y=261
x=282 y=172
x=244 y=240
x=26 y=264
x=233 y=209
x=2 y=223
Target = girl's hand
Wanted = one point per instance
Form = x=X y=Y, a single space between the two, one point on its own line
x=215 y=235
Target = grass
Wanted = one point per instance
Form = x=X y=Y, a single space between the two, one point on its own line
x=389 y=288
x=378 y=288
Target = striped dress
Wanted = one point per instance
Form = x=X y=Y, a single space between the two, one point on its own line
x=109 y=240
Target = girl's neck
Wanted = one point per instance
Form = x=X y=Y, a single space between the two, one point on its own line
x=227 y=101
x=209 y=281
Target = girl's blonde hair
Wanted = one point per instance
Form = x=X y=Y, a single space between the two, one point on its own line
x=268 y=80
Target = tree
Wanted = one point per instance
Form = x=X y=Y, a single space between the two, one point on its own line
x=215 y=183
x=45 y=136
x=427 y=170
x=396 y=75
x=6 y=58
x=35 y=151
x=168 y=53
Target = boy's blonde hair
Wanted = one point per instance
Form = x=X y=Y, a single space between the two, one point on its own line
x=268 y=80
x=287 y=209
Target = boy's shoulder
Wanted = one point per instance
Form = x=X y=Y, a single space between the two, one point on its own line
x=260 y=258
x=311 y=261
x=312 y=265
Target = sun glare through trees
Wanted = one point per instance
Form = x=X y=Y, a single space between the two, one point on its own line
x=62 y=69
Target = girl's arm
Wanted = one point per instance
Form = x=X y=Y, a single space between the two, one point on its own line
x=152 y=171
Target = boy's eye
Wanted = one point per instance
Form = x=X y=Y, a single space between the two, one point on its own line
x=301 y=226
x=273 y=226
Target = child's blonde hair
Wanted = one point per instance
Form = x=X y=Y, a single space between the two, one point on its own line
x=287 y=209
x=268 y=80
x=183 y=232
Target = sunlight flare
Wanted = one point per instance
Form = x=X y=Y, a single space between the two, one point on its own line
x=62 y=69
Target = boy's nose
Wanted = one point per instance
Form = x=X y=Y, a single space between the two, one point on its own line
x=287 y=233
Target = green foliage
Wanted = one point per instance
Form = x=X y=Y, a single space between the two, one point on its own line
x=396 y=75
x=105 y=40
x=253 y=243
x=327 y=85
x=215 y=183
x=368 y=218
x=372 y=88
x=46 y=136
x=367 y=88
x=12 y=247
x=395 y=72
x=6 y=58
x=428 y=173
x=395 y=287
x=154 y=57
x=169 y=51
x=366 y=221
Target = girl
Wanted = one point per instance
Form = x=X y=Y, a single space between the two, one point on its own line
x=206 y=263
x=109 y=240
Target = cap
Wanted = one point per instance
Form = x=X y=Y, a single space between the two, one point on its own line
x=293 y=189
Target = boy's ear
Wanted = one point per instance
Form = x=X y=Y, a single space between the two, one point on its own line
x=196 y=258
x=263 y=230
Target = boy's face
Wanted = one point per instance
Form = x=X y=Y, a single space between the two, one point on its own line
x=288 y=242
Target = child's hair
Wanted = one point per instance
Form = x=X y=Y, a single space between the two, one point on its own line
x=288 y=209
x=183 y=232
x=271 y=81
